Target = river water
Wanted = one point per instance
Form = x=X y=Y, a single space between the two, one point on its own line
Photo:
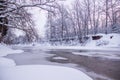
x=94 y=66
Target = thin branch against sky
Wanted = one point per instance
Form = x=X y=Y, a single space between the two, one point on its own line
x=39 y=16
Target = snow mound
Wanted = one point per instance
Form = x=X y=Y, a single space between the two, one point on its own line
x=107 y=40
x=62 y=58
x=99 y=54
x=42 y=72
x=115 y=40
x=4 y=62
x=5 y=50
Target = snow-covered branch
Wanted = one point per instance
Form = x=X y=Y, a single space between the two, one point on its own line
x=19 y=6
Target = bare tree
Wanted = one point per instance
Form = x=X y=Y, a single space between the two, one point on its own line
x=16 y=16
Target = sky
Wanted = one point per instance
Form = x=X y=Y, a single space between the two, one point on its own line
x=39 y=17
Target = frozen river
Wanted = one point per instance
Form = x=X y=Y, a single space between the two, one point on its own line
x=98 y=67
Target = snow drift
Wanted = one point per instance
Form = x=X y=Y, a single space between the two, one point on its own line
x=107 y=40
x=42 y=72
x=4 y=63
x=5 y=50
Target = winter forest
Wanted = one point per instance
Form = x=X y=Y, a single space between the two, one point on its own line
x=59 y=39
x=86 y=17
x=64 y=24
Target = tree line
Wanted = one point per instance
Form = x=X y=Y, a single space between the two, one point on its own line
x=83 y=18
x=86 y=17
x=15 y=17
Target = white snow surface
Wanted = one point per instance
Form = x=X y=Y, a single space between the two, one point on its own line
x=105 y=41
x=96 y=48
x=9 y=71
x=4 y=63
x=5 y=50
x=112 y=55
x=42 y=72
x=60 y=58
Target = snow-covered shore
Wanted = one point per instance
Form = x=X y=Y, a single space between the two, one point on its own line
x=5 y=63
x=5 y=50
x=9 y=70
x=107 y=42
x=42 y=72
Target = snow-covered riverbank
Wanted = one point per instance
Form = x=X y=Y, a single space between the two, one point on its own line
x=5 y=50
x=9 y=70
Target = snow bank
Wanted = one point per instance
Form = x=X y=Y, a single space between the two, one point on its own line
x=37 y=44
x=96 y=48
x=107 y=40
x=4 y=62
x=42 y=72
x=114 y=41
x=112 y=55
x=5 y=50
x=62 y=58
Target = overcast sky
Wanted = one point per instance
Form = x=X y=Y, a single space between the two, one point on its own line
x=40 y=18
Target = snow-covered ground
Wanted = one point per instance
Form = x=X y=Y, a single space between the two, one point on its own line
x=9 y=70
x=42 y=72
x=4 y=62
x=60 y=58
x=5 y=50
x=111 y=55
x=81 y=48
x=49 y=47
x=107 y=40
